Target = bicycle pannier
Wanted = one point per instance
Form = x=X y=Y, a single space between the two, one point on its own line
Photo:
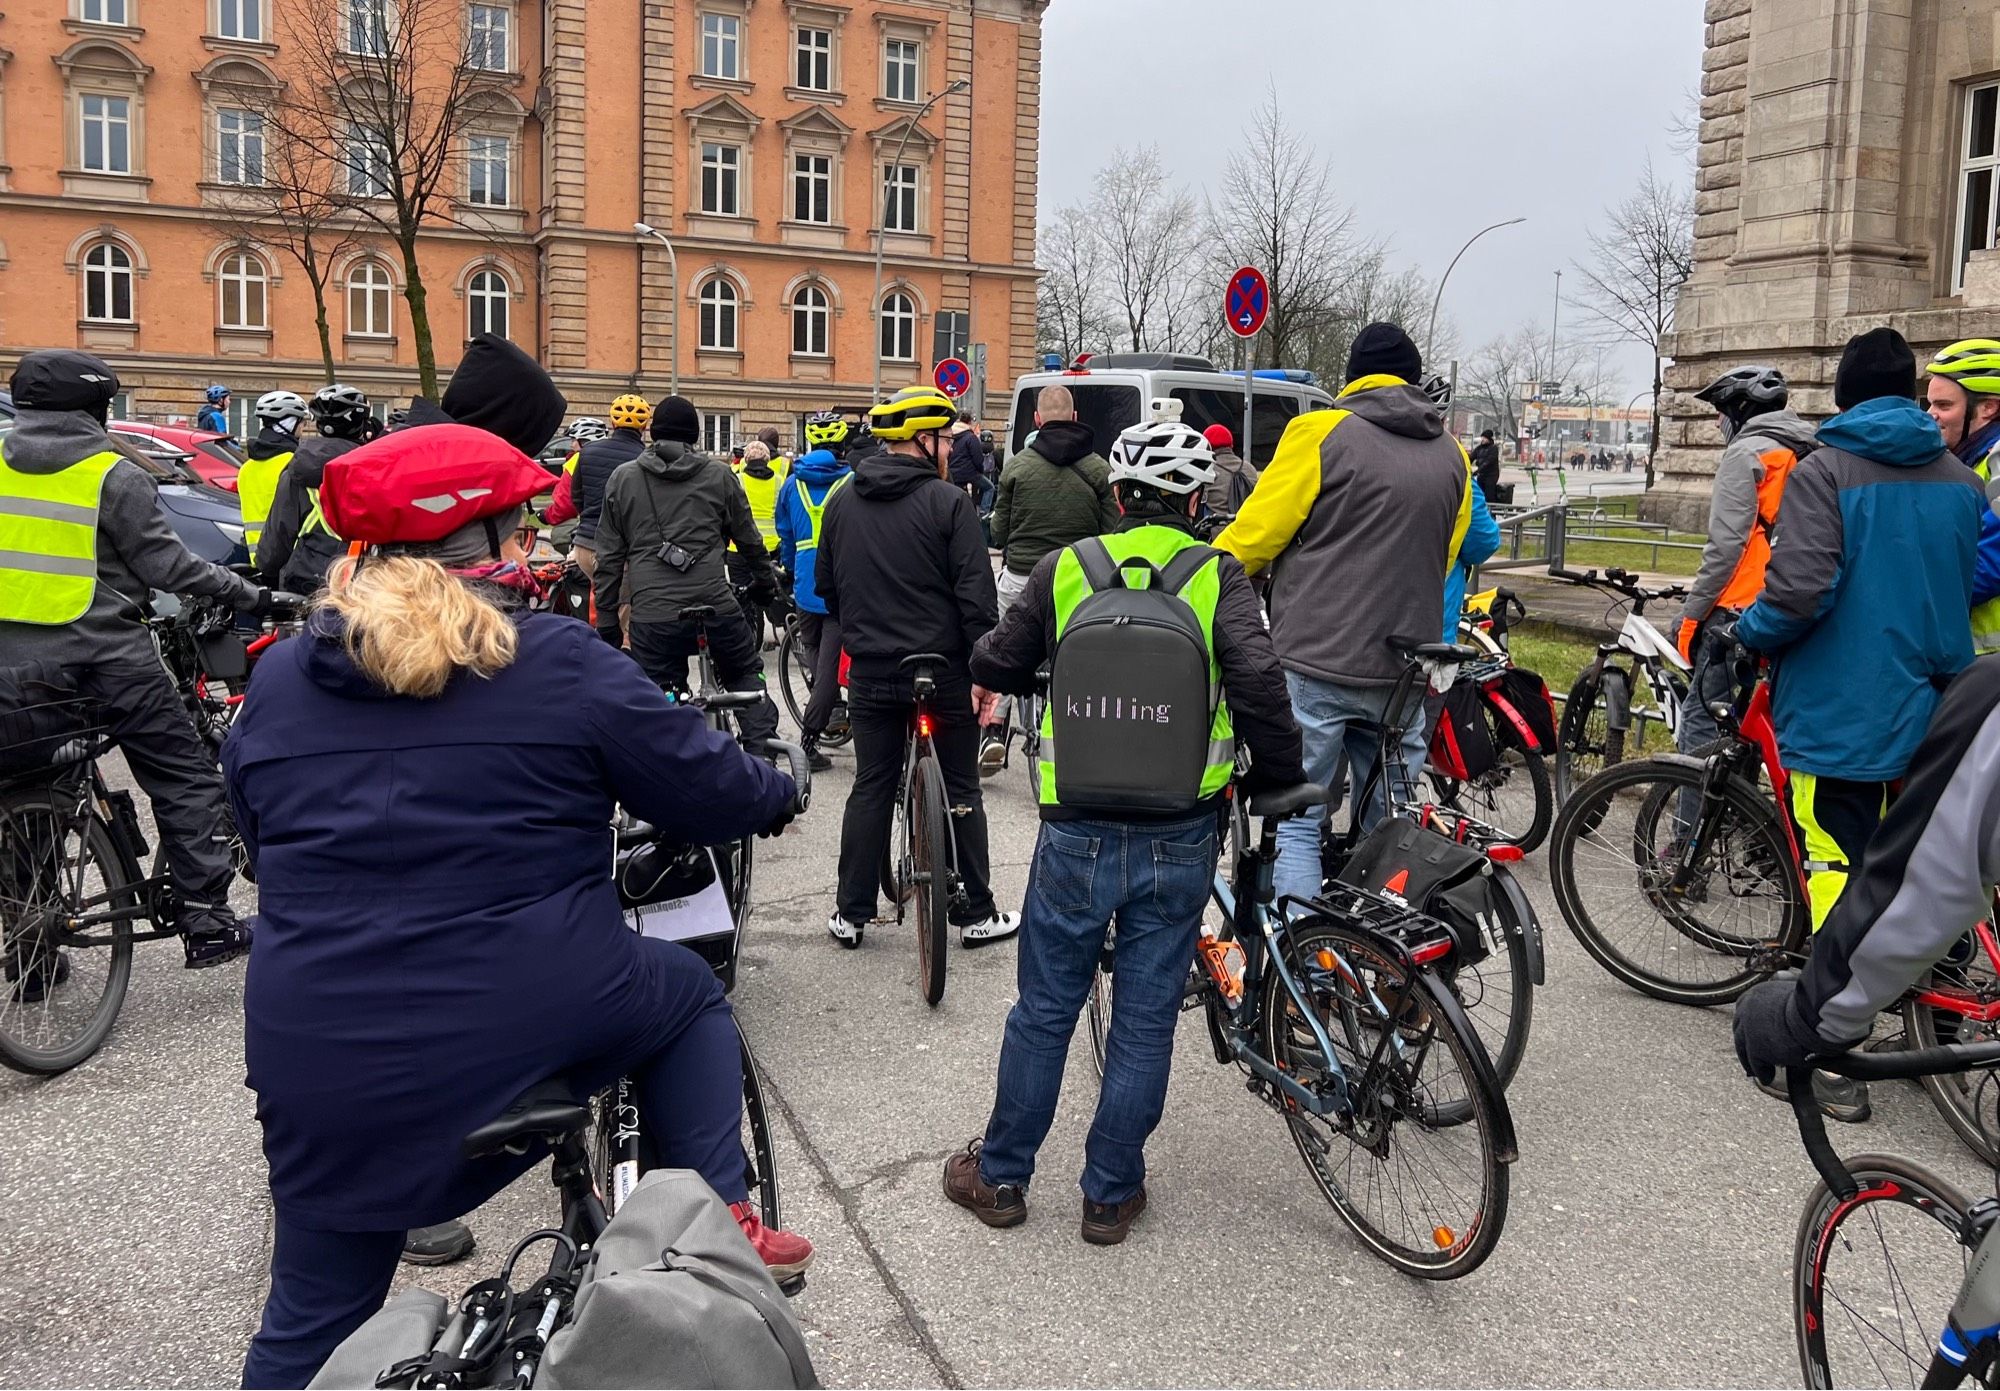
x=1462 y=743
x=1130 y=700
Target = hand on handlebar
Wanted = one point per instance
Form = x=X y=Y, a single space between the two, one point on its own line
x=1769 y=1034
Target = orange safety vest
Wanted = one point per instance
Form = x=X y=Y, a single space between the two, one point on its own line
x=1748 y=580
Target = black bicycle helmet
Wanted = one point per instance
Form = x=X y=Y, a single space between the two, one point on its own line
x=341 y=412
x=1743 y=392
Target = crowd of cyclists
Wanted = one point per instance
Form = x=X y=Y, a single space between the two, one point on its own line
x=418 y=918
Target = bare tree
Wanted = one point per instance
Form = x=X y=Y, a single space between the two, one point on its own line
x=381 y=97
x=1506 y=370
x=1148 y=233
x=1069 y=299
x=1638 y=261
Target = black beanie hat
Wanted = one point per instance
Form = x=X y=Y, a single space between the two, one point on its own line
x=1384 y=350
x=62 y=379
x=1875 y=364
x=502 y=390
x=675 y=418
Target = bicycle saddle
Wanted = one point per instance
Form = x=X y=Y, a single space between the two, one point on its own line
x=545 y=1113
x=1288 y=801
x=697 y=613
x=922 y=659
x=1412 y=649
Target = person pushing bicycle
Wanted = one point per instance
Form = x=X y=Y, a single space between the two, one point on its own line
x=1152 y=681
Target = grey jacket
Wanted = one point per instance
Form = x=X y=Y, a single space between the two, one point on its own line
x=137 y=551
x=674 y=494
x=1732 y=506
x=1234 y=477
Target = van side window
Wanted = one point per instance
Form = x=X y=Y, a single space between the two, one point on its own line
x=1270 y=413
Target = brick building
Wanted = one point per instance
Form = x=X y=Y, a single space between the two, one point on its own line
x=759 y=135
x=1848 y=174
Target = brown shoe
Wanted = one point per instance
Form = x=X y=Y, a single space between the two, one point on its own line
x=1005 y=1206
x=1105 y=1224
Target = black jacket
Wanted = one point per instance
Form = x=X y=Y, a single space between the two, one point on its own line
x=1260 y=704
x=968 y=459
x=902 y=566
x=1486 y=467
x=595 y=463
x=673 y=493
x=285 y=558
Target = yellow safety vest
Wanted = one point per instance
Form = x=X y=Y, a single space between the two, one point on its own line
x=763 y=495
x=814 y=515
x=314 y=517
x=48 y=540
x=257 y=489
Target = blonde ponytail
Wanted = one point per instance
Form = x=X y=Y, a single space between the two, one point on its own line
x=410 y=625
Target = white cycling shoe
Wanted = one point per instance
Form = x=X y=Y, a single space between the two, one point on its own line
x=844 y=932
x=997 y=928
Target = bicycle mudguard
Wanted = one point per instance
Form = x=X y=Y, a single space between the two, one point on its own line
x=1524 y=920
x=1505 y=1147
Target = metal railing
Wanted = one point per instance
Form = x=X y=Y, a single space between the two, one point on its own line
x=1537 y=537
x=1530 y=539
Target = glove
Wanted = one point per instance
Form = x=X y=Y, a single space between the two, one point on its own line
x=1769 y=1032
x=1684 y=640
x=762 y=592
x=785 y=817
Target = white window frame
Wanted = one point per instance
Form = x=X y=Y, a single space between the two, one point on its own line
x=114 y=14
x=720 y=36
x=898 y=324
x=809 y=56
x=484 y=50
x=1970 y=165
x=483 y=290
x=379 y=281
x=108 y=123
x=728 y=176
x=248 y=136
x=234 y=275
x=718 y=432
x=109 y=262
x=812 y=184
x=717 y=297
x=249 y=17
x=368 y=163
x=911 y=67
x=897 y=192
x=481 y=160
x=812 y=319
x=351 y=16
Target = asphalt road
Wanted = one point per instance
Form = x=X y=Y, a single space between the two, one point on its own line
x=1648 y=1242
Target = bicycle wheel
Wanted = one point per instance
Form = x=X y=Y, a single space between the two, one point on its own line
x=1425 y=1191
x=1498 y=993
x=1585 y=742
x=1513 y=796
x=61 y=991
x=930 y=872
x=760 y=1156
x=1874 y=1276
x=1969 y=1101
x=1613 y=861
x=1099 y=1007
x=795 y=675
x=1029 y=711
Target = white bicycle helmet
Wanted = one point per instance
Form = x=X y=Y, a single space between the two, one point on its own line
x=1437 y=386
x=276 y=406
x=1163 y=454
x=587 y=429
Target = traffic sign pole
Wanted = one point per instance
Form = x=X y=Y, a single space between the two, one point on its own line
x=1249 y=360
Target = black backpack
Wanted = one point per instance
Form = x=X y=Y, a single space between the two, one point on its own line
x=1130 y=698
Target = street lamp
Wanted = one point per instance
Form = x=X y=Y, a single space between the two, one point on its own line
x=1430 y=334
x=882 y=218
x=673 y=306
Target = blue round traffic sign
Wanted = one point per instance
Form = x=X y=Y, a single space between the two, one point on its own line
x=1247 y=302
x=953 y=377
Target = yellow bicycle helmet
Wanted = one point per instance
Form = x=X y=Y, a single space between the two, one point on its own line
x=827 y=430
x=630 y=412
x=1974 y=363
x=912 y=411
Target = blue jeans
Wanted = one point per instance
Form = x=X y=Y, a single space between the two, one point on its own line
x=1154 y=878
x=1331 y=717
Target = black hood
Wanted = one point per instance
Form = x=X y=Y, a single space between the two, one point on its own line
x=308 y=465
x=759 y=468
x=1063 y=442
x=885 y=476
x=672 y=460
x=503 y=391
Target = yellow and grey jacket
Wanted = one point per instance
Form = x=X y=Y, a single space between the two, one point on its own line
x=1359 y=516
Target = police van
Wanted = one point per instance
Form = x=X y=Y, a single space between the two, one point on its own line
x=1114 y=392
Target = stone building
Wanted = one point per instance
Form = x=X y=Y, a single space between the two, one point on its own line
x=1848 y=175
x=765 y=138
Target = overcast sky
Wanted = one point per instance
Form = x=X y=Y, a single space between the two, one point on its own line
x=1438 y=118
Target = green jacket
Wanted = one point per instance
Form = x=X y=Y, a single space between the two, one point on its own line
x=1051 y=495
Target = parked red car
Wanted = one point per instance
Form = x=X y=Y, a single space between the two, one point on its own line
x=214 y=457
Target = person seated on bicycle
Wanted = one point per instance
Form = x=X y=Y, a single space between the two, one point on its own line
x=87 y=545
x=296 y=548
x=1924 y=883
x=666 y=519
x=1765 y=442
x=1150 y=870
x=902 y=568
x=801 y=512
x=431 y=942
x=1360 y=515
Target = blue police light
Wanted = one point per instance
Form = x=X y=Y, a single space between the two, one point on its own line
x=1052 y=362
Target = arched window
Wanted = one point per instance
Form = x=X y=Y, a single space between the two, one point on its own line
x=809 y=321
x=718 y=314
x=107 y=284
x=487 y=299
x=899 y=327
x=245 y=284
x=368 y=289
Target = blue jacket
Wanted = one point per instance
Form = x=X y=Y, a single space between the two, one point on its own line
x=818 y=471
x=437 y=924
x=1986 y=577
x=1867 y=599
x=211 y=418
x=1482 y=538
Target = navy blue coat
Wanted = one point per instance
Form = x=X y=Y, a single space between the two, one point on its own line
x=437 y=926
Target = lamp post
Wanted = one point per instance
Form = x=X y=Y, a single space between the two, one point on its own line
x=1430 y=334
x=673 y=305
x=1651 y=430
x=882 y=219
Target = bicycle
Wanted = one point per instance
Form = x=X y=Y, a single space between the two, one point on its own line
x=920 y=864
x=1024 y=717
x=1610 y=712
x=1343 y=1025
x=795 y=685
x=1862 y=1314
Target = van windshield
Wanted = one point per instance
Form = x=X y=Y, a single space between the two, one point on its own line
x=1106 y=408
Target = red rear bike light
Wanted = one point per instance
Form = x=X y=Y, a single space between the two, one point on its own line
x=1430 y=951
x=1505 y=854
x=924 y=725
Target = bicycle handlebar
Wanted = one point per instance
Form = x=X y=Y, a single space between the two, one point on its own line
x=1870 y=1067
x=801 y=771
x=1618 y=580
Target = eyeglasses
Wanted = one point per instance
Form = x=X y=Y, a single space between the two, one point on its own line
x=524 y=537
